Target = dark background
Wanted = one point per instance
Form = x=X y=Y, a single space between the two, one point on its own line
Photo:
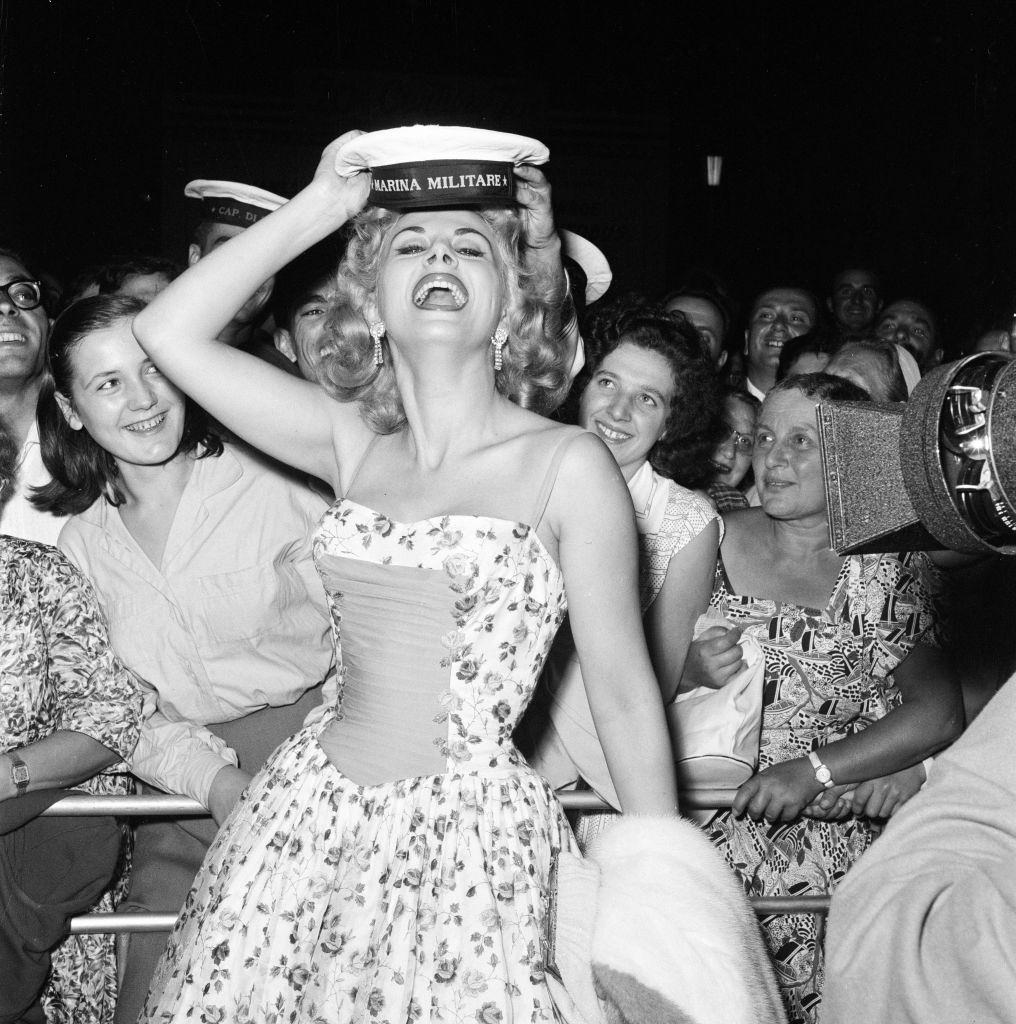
x=875 y=134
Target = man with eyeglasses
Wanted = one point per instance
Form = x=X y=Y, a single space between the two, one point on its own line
x=731 y=458
x=24 y=329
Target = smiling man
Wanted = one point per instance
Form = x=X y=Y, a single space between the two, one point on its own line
x=777 y=315
x=24 y=329
x=855 y=301
x=227 y=208
x=911 y=324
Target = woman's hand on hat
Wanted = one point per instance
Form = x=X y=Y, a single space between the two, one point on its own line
x=349 y=190
x=779 y=793
x=532 y=193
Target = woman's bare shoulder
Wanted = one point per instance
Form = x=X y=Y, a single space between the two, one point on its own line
x=744 y=528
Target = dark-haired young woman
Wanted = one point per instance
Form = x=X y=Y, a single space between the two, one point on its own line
x=200 y=555
x=651 y=395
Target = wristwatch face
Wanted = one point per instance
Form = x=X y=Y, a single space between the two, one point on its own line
x=19 y=774
x=823 y=775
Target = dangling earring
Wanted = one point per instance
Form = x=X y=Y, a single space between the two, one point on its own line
x=498 y=341
x=377 y=332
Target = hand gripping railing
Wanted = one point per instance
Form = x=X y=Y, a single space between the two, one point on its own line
x=182 y=807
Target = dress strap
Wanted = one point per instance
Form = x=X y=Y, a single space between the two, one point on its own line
x=549 y=479
x=721 y=579
x=363 y=458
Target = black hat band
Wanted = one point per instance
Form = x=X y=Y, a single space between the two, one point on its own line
x=436 y=183
x=231 y=211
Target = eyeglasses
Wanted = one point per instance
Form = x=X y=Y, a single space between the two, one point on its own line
x=24 y=294
x=744 y=444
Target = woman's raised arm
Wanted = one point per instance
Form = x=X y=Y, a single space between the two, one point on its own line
x=291 y=419
x=591 y=512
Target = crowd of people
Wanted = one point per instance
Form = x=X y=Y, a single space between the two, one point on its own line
x=372 y=529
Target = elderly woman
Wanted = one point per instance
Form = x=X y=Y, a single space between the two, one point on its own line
x=394 y=859
x=69 y=716
x=856 y=694
x=650 y=394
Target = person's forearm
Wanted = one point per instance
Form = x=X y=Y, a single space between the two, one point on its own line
x=61 y=759
x=180 y=757
x=551 y=284
x=200 y=303
x=637 y=749
x=906 y=736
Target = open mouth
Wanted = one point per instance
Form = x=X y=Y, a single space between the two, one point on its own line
x=12 y=338
x=777 y=484
x=613 y=436
x=720 y=467
x=147 y=426
x=440 y=291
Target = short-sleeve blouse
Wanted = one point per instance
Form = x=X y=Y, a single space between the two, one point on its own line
x=681 y=515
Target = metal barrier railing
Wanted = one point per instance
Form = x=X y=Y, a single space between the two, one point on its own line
x=181 y=807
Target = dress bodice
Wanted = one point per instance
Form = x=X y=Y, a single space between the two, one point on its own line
x=441 y=628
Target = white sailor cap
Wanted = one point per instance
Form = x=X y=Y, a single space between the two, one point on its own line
x=591 y=262
x=429 y=165
x=231 y=202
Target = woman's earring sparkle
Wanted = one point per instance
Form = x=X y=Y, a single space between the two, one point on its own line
x=498 y=341
x=377 y=332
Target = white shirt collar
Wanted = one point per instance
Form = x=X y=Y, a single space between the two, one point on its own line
x=649 y=496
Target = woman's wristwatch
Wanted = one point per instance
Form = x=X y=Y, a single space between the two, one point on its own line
x=822 y=773
x=20 y=776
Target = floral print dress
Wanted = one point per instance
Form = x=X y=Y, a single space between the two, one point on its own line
x=409 y=882
x=58 y=672
x=828 y=674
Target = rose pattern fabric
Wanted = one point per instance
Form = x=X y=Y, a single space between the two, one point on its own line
x=419 y=899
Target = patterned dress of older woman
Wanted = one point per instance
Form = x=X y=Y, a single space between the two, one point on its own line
x=58 y=672
x=828 y=674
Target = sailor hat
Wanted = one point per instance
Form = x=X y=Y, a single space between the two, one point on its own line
x=591 y=262
x=231 y=202
x=428 y=166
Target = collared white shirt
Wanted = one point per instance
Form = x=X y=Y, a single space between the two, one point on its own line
x=752 y=390
x=19 y=517
x=649 y=492
x=234 y=619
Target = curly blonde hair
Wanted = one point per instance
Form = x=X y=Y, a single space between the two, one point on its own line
x=534 y=371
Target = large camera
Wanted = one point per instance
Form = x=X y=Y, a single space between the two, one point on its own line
x=936 y=472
